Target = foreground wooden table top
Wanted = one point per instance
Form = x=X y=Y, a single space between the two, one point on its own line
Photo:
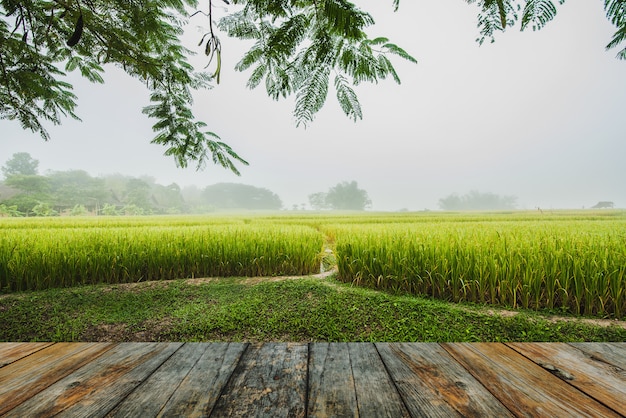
x=315 y=379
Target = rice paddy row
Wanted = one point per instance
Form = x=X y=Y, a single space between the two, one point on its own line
x=575 y=266
x=571 y=261
x=34 y=259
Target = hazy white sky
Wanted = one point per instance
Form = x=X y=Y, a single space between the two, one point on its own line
x=538 y=115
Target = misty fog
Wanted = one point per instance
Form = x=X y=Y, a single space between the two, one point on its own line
x=535 y=115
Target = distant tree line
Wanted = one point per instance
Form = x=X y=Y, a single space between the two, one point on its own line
x=25 y=192
x=475 y=200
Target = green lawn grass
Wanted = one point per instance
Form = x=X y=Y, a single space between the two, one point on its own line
x=237 y=309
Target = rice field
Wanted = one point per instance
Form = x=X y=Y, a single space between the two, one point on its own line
x=42 y=253
x=572 y=261
x=573 y=265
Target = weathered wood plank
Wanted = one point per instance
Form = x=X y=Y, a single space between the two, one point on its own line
x=331 y=385
x=198 y=392
x=432 y=384
x=149 y=398
x=612 y=353
x=95 y=389
x=23 y=379
x=376 y=393
x=10 y=352
x=525 y=388
x=602 y=381
x=270 y=380
x=219 y=379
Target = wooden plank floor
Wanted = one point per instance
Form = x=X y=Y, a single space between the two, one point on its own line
x=315 y=380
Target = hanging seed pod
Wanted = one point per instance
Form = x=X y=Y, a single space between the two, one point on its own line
x=78 y=32
x=202 y=40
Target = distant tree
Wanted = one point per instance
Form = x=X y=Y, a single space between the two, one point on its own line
x=133 y=210
x=348 y=196
x=109 y=210
x=31 y=190
x=20 y=164
x=79 y=210
x=43 y=209
x=241 y=196
x=343 y=196
x=65 y=191
x=144 y=192
x=6 y=191
x=603 y=205
x=76 y=187
x=318 y=201
x=194 y=200
x=10 y=211
x=451 y=202
x=23 y=203
x=475 y=200
x=30 y=184
x=138 y=194
x=167 y=199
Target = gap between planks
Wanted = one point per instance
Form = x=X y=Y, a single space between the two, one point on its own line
x=312 y=379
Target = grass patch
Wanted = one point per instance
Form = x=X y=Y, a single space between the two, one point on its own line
x=235 y=309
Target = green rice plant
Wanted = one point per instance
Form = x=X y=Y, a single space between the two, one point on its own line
x=64 y=256
x=573 y=261
x=576 y=264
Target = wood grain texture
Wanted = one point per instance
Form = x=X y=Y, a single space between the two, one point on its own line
x=198 y=392
x=96 y=388
x=151 y=396
x=433 y=384
x=316 y=379
x=612 y=353
x=10 y=352
x=376 y=393
x=524 y=387
x=602 y=381
x=21 y=380
x=331 y=384
x=270 y=380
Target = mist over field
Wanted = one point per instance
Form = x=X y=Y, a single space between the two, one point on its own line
x=535 y=115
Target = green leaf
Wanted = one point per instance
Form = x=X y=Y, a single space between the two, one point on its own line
x=539 y=13
x=296 y=45
x=312 y=95
x=396 y=50
x=348 y=99
x=616 y=13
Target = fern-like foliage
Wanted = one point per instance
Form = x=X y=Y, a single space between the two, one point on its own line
x=301 y=44
x=38 y=38
x=347 y=98
x=301 y=48
x=298 y=46
x=497 y=15
x=538 y=13
x=616 y=13
x=312 y=93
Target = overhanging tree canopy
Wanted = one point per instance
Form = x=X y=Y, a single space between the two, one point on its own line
x=301 y=47
x=298 y=45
